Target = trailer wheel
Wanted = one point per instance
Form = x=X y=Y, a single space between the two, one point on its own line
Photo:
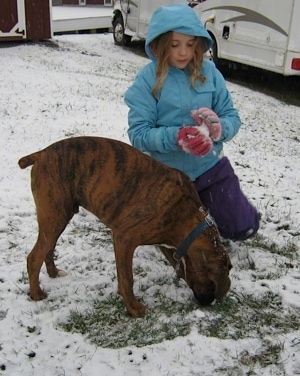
x=120 y=38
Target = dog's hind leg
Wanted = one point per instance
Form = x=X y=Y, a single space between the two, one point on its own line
x=52 y=220
x=35 y=261
x=52 y=270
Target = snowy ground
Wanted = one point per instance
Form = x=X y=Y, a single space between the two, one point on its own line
x=75 y=87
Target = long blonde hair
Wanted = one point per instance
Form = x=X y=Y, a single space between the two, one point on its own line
x=160 y=48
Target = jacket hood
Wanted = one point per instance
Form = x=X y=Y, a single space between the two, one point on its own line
x=175 y=17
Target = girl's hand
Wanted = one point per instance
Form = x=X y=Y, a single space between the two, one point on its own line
x=206 y=116
x=194 y=141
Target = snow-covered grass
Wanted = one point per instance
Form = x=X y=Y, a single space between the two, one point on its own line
x=74 y=86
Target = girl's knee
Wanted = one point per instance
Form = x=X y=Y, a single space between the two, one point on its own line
x=236 y=233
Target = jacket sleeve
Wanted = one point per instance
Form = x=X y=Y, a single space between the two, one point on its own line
x=223 y=106
x=143 y=132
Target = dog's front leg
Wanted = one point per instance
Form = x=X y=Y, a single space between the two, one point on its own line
x=124 y=257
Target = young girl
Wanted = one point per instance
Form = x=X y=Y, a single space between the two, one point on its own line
x=181 y=112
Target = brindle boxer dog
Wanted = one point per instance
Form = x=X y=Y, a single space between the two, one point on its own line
x=140 y=199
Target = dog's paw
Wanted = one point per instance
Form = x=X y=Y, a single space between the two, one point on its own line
x=137 y=309
x=61 y=273
x=38 y=295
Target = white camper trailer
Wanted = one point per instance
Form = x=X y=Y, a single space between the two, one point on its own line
x=131 y=18
x=260 y=33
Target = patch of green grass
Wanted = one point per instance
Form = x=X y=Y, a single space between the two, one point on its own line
x=290 y=250
x=238 y=316
x=108 y=325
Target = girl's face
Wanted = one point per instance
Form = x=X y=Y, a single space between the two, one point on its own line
x=182 y=50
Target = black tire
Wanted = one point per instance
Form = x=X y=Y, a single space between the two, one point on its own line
x=120 y=38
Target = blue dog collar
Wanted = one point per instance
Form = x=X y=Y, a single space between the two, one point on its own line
x=181 y=251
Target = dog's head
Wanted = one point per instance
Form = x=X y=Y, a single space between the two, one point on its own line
x=205 y=266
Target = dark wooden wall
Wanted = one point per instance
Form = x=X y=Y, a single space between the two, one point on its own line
x=38 y=22
x=9 y=15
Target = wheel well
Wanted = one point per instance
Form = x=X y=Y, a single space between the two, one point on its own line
x=213 y=39
x=214 y=48
x=117 y=14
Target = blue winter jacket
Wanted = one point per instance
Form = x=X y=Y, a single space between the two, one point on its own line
x=154 y=122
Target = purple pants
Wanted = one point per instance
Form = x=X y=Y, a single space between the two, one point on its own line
x=219 y=190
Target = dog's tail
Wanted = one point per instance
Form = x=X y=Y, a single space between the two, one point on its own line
x=28 y=160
